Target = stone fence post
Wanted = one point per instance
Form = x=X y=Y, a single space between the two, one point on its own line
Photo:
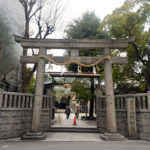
x=148 y=99
x=131 y=117
x=1 y=98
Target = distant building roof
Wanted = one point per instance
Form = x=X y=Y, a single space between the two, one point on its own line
x=71 y=74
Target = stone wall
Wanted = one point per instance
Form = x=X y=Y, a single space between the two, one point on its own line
x=16 y=114
x=121 y=121
x=143 y=124
x=132 y=127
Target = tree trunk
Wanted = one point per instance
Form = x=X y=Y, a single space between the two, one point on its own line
x=26 y=76
x=33 y=12
x=25 y=85
x=27 y=23
x=24 y=82
x=86 y=108
x=92 y=98
x=147 y=72
x=147 y=77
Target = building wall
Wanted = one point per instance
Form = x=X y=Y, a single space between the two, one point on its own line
x=13 y=12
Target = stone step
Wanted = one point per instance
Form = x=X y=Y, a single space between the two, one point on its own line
x=74 y=129
x=112 y=137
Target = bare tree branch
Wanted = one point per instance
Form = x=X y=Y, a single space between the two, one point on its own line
x=44 y=14
x=38 y=9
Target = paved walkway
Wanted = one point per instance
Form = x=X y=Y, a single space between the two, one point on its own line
x=73 y=141
x=129 y=145
x=61 y=121
x=65 y=137
x=73 y=137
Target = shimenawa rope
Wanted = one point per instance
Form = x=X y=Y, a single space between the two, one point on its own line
x=74 y=61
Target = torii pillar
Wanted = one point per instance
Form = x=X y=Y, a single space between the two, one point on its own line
x=35 y=133
x=76 y=44
x=111 y=125
x=38 y=92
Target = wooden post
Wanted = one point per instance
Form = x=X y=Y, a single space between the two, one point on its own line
x=1 y=98
x=109 y=92
x=38 y=93
x=92 y=99
x=131 y=115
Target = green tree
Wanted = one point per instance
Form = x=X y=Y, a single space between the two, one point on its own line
x=132 y=19
x=81 y=87
x=31 y=87
x=86 y=27
x=82 y=90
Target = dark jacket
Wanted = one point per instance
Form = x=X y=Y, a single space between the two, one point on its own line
x=67 y=110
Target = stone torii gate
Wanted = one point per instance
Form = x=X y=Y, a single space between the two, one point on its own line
x=75 y=45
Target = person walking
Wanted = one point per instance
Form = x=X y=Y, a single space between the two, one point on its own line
x=77 y=112
x=67 y=112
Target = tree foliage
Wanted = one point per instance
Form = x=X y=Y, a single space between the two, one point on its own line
x=82 y=89
x=31 y=87
x=85 y=27
x=132 y=19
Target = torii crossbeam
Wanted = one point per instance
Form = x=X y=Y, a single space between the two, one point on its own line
x=75 y=45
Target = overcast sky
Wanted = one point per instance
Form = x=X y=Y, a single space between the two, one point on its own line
x=101 y=7
x=75 y=9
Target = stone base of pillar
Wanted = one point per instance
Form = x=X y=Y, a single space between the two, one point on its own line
x=112 y=137
x=34 y=136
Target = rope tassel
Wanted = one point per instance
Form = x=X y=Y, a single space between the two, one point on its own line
x=94 y=70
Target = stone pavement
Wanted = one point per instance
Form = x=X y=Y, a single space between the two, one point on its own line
x=73 y=141
x=65 y=137
x=72 y=137
x=128 y=145
x=61 y=121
